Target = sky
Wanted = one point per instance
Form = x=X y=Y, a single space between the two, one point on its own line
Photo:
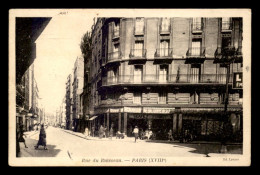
x=57 y=48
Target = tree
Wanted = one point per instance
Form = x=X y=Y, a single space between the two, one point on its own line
x=85 y=46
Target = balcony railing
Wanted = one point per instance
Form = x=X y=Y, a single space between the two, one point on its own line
x=114 y=56
x=137 y=53
x=163 y=52
x=196 y=52
x=197 y=27
x=167 y=79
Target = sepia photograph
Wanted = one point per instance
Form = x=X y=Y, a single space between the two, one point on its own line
x=129 y=87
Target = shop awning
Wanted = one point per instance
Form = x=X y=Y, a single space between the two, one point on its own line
x=92 y=118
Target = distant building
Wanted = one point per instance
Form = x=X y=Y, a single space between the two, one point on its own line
x=78 y=79
x=31 y=100
x=69 y=102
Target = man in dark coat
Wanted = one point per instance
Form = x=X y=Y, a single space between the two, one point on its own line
x=42 y=138
x=20 y=135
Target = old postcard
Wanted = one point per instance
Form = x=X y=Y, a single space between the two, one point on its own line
x=130 y=87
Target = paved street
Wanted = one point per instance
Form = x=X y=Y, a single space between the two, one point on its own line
x=62 y=143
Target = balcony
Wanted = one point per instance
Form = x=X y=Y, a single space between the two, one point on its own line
x=137 y=56
x=114 y=56
x=239 y=55
x=163 y=55
x=225 y=54
x=197 y=27
x=153 y=79
x=195 y=55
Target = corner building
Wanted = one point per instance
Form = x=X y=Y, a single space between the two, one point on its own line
x=165 y=73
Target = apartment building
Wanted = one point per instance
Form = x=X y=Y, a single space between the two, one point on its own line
x=77 y=85
x=69 y=103
x=166 y=73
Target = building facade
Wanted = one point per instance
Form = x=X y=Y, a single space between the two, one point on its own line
x=166 y=73
x=78 y=78
x=31 y=105
x=69 y=102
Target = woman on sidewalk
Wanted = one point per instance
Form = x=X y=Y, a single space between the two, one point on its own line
x=42 y=138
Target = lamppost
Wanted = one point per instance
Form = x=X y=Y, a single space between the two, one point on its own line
x=228 y=55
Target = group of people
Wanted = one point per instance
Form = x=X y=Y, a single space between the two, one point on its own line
x=148 y=134
x=41 y=141
x=103 y=132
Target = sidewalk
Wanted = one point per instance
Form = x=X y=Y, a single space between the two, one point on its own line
x=31 y=133
x=78 y=134
x=127 y=139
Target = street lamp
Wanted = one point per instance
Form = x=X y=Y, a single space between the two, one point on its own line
x=228 y=55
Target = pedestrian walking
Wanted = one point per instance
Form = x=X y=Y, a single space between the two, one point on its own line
x=20 y=135
x=111 y=132
x=86 y=133
x=136 y=131
x=42 y=138
x=170 y=137
x=101 y=132
x=105 y=132
x=93 y=131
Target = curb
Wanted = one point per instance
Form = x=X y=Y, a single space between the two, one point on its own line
x=154 y=141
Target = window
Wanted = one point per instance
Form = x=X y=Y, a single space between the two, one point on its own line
x=162 y=98
x=196 y=47
x=138 y=48
x=164 y=48
x=163 y=73
x=138 y=69
x=195 y=72
x=112 y=76
x=196 y=23
x=139 y=26
x=116 y=29
x=226 y=23
x=226 y=42
x=137 y=98
x=165 y=27
x=116 y=50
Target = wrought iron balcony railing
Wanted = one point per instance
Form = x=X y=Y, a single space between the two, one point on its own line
x=163 y=52
x=196 y=52
x=197 y=27
x=114 y=56
x=137 y=53
x=167 y=79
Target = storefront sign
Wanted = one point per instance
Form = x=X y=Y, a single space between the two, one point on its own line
x=132 y=109
x=137 y=116
x=115 y=110
x=237 y=80
x=150 y=110
x=208 y=109
x=153 y=117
